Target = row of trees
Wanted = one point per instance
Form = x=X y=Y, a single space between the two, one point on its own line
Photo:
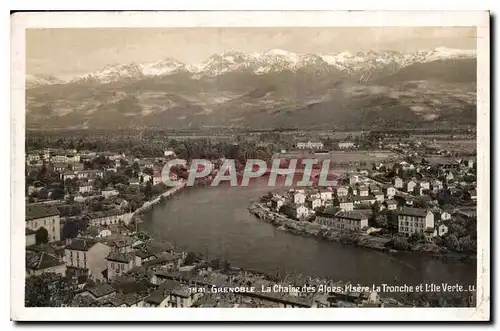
x=186 y=149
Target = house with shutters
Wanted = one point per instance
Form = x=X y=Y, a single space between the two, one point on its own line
x=87 y=256
x=326 y=217
x=313 y=202
x=410 y=186
x=344 y=203
x=120 y=263
x=351 y=220
x=411 y=220
x=44 y=216
x=398 y=182
x=342 y=191
x=39 y=262
x=390 y=192
x=299 y=197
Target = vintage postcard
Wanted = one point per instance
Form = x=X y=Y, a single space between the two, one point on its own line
x=271 y=160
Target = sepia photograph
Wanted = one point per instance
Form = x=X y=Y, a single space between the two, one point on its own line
x=256 y=160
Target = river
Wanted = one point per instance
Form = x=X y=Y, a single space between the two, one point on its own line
x=215 y=221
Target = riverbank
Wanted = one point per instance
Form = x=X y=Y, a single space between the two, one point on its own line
x=161 y=197
x=315 y=230
x=363 y=240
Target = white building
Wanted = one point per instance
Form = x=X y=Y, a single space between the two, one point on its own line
x=391 y=204
x=110 y=192
x=442 y=230
x=351 y=220
x=121 y=263
x=342 y=191
x=346 y=144
x=410 y=186
x=88 y=255
x=108 y=217
x=327 y=216
x=344 y=203
x=445 y=216
x=437 y=185
x=425 y=185
x=169 y=152
x=379 y=196
x=310 y=145
x=85 y=188
x=314 y=202
x=38 y=263
x=277 y=202
x=299 y=198
x=89 y=174
x=325 y=194
x=46 y=216
x=411 y=220
x=398 y=182
x=296 y=211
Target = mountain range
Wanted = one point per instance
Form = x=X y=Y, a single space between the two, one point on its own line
x=272 y=89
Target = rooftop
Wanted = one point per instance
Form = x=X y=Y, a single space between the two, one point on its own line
x=101 y=290
x=81 y=244
x=119 y=240
x=163 y=291
x=40 y=260
x=364 y=198
x=416 y=212
x=353 y=215
x=89 y=171
x=120 y=257
x=329 y=211
x=182 y=291
x=144 y=254
x=104 y=213
x=40 y=211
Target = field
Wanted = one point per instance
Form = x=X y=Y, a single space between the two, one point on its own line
x=340 y=157
x=456 y=145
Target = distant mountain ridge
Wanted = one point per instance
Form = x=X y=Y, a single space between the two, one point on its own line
x=363 y=65
x=274 y=89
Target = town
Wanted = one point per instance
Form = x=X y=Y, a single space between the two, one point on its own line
x=413 y=203
x=86 y=244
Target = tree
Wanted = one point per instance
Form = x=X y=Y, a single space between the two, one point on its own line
x=129 y=172
x=57 y=194
x=41 y=236
x=215 y=264
x=416 y=237
x=43 y=194
x=148 y=190
x=136 y=167
x=70 y=185
x=190 y=258
x=452 y=242
x=225 y=267
x=399 y=243
x=71 y=229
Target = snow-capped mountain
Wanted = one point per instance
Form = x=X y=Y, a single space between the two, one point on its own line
x=36 y=80
x=363 y=65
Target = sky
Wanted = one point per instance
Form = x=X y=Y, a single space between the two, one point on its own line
x=67 y=53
